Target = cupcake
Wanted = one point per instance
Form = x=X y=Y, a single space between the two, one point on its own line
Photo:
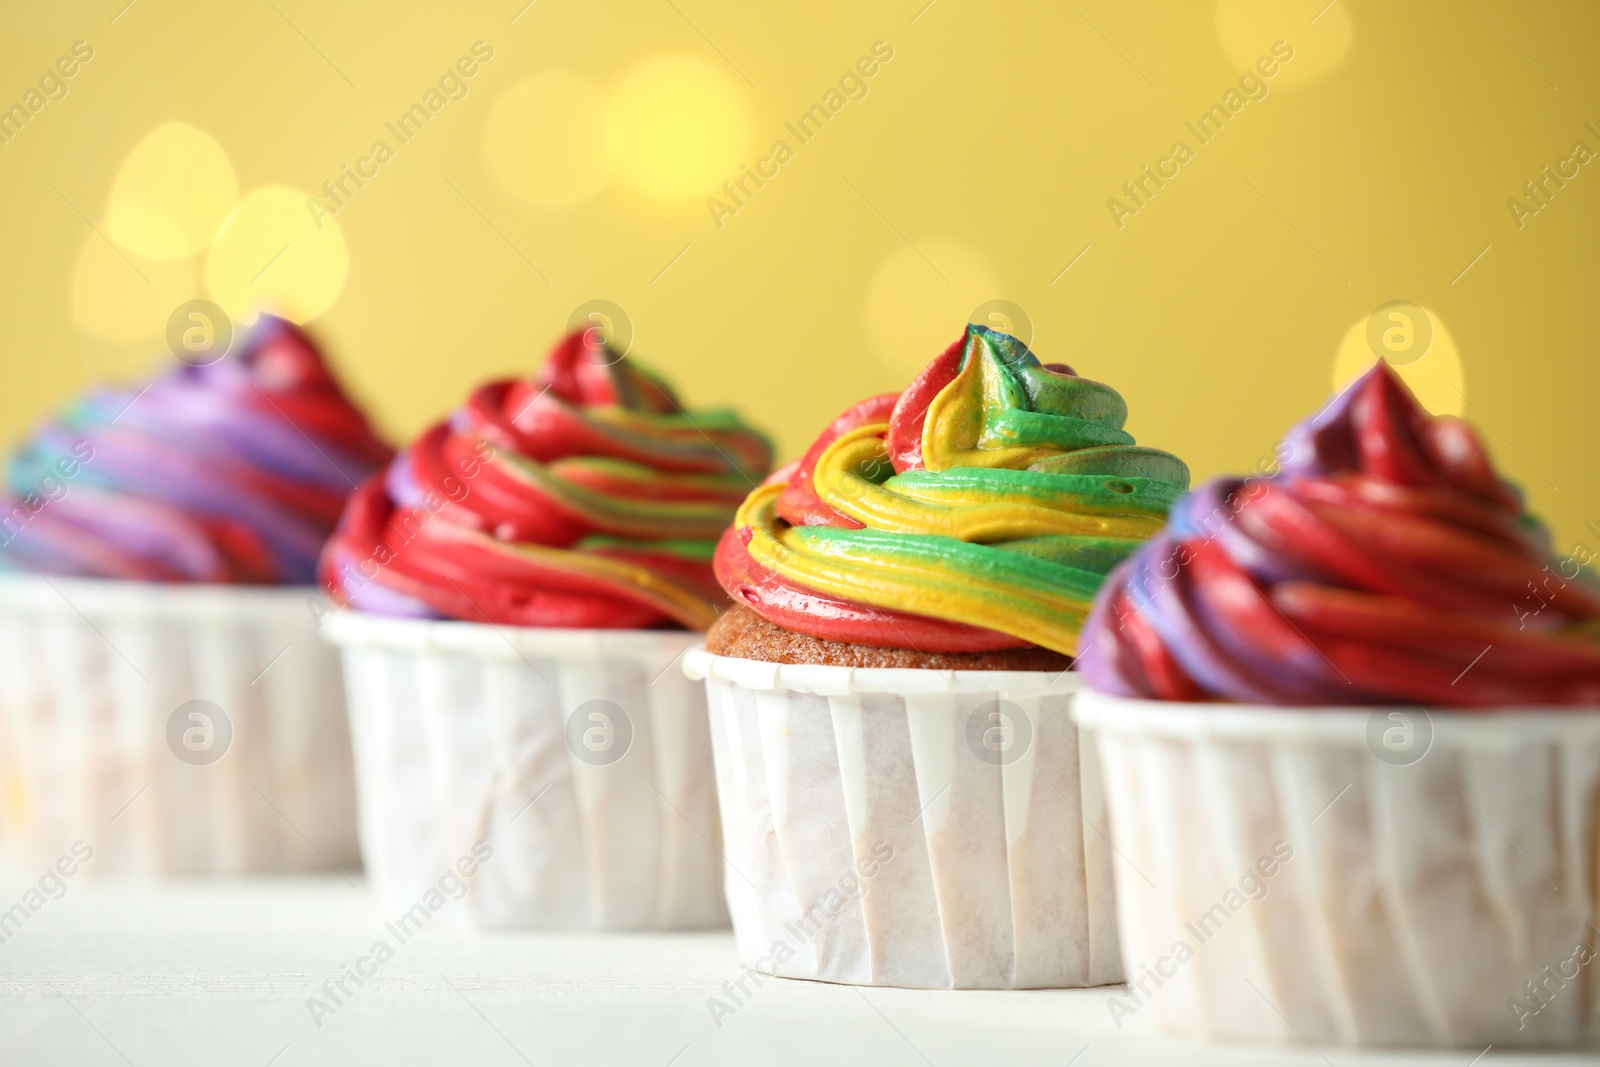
x=1349 y=721
x=904 y=799
x=518 y=586
x=163 y=694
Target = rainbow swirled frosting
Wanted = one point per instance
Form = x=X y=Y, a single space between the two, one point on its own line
x=584 y=497
x=232 y=472
x=1384 y=563
x=979 y=510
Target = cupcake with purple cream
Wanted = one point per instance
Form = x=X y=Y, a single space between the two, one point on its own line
x=1348 y=718
x=158 y=546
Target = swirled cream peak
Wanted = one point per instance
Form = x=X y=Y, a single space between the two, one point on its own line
x=585 y=496
x=1385 y=563
x=979 y=509
x=231 y=472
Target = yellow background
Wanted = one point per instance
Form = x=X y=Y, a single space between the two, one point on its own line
x=978 y=167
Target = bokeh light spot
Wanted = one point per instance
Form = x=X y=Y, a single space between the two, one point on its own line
x=171 y=193
x=545 y=140
x=1249 y=28
x=111 y=302
x=271 y=255
x=1435 y=378
x=912 y=314
x=679 y=127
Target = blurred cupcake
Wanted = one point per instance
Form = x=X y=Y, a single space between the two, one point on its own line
x=523 y=579
x=904 y=799
x=1349 y=718
x=163 y=694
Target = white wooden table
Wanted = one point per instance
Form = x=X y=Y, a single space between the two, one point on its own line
x=219 y=973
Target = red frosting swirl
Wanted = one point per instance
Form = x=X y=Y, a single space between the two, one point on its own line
x=1384 y=563
x=584 y=497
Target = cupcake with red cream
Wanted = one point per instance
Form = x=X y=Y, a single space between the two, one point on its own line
x=516 y=586
x=901 y=783
x=157 y=555
x=1367 y=686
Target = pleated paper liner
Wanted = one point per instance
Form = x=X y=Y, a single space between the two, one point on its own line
x=173 y=729
x=929 y=829
x=1359 y=877
x=579 y=760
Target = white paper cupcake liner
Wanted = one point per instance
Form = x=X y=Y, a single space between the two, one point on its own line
x=1441 y=895
x=581 y=758
x=93 y=674
x=882 y=827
